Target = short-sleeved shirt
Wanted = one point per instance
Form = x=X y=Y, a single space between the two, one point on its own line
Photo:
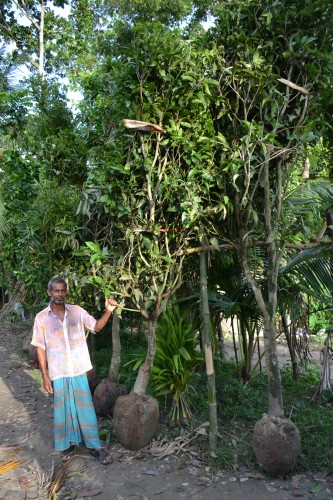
x=64 y=341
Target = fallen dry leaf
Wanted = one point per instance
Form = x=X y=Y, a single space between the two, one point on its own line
x=23 y=482
x=320 y=476
x=296 y=479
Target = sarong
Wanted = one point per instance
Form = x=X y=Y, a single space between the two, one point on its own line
x=75 y=420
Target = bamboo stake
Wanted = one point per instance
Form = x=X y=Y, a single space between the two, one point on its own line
x=207 y=345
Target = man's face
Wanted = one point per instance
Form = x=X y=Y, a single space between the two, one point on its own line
x=58 y=293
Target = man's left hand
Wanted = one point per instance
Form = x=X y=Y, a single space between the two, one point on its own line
x=111 y=304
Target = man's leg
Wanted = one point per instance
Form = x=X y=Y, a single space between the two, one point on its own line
x=87 y=419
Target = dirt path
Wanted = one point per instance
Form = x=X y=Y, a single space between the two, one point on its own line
x=26 y=426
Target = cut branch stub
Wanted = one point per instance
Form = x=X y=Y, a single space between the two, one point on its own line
x=293 y=86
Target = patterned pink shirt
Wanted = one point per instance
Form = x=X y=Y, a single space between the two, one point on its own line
x=65 y=342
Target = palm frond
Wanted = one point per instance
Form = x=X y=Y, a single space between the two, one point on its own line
x=312 y=196
x=312 y=272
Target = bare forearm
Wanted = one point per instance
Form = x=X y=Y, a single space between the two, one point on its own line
x=110 y=305
x=103 y=320
x=41 y=354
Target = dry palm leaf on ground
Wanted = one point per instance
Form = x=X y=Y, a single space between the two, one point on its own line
x=164 y=447
x=7 y=463
x=59 y=478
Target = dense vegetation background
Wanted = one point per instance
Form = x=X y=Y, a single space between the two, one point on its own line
x=241 y=175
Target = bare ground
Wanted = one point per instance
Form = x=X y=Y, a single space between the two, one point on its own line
x=26 y=427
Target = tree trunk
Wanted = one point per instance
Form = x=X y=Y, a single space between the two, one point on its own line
x=287 y=332
x=275 y=401
x=234 y=339
x=142 y=378
x=116 y=349
x=41 y=39
x=93 y=350
x=207 y=345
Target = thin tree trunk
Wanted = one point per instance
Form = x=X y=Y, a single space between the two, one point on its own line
x=116 y=349
x=207 y=344
x=41 y=39
x=250 y=349
x=267 y=307
x=258 y=347
x=142 y=378
x=275 y=401
x=234 y=339
x=244 y=343
x=287 y=332
x=220 y=336
x=93 y=350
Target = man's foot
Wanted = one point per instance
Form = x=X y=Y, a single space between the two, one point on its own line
x=101 y=456
x=67 y=454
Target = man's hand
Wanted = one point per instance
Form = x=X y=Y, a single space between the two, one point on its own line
x=47 y=384
x=111 y=304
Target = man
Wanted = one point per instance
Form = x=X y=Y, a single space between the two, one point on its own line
x=63 y=357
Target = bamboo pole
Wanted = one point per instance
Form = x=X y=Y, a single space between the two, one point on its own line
x=207 y=346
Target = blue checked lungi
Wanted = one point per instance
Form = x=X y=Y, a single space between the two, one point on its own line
x=75 y=420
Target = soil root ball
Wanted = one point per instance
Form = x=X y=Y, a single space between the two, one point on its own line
x=135 y=420
x=276 y=444
x=105 y=397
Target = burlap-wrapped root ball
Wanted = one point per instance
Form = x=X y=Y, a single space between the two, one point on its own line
x=135 y=420
x=106 y=395
x=276 y=444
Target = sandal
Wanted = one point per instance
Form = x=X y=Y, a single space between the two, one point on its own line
x=66 y=455
x=101 y=456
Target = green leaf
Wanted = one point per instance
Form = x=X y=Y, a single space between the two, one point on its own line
x=317 y=488
x=214 y=242
x=103 y=433
x=222 y=139
x=184 y=353
x=125 y=277
x=93 y=246
x=137 y=294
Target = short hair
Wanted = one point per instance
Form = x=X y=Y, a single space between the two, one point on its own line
x=56 y=280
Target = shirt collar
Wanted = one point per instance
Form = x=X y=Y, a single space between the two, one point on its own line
x=68 y=307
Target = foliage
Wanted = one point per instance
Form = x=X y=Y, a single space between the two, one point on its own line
x=175 y=360
x=311 y=270
x=154 y=189
x=177 y=356
x=40 y=29
x=42 y=158
x=46 y=226
x=157 y=10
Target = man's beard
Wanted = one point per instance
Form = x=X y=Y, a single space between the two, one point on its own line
x=58 y=302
